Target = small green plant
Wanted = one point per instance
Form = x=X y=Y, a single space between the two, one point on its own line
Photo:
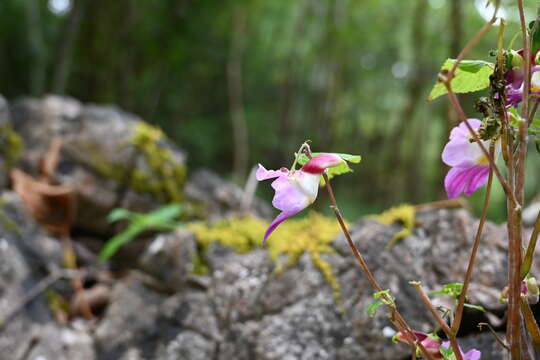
x=162 y=219
x=382 y=297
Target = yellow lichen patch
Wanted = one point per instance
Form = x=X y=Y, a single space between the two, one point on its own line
x=405 y=214
x=172 y=176
x=165 y=177
x=312 y=234
x=11 y=145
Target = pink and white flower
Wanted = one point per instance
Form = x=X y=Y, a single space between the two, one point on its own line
x=296 y=189
x=432 y=344
x=472 y=354
x=470 y=167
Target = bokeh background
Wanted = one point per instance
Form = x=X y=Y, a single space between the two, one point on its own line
x=236 y=82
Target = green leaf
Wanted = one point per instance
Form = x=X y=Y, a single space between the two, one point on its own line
x=164 y=214
x=471 y=75
x=475 y=307
x=341 y=169
x=452 y=289
x=382 y=297
x=535 y=36
x=447 y=353
x=112 y=246
x=161 y=219
x=372 y=309
x=119 y=214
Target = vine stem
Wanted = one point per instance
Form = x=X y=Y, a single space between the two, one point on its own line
x=513 y=331
x=472 y=259
x=526 y=265
x=396 y=317
x=399 y=321
x=479 y=35
x=439 y=319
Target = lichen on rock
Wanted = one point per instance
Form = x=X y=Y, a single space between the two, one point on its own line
x=311 y=235
x=160 y=159
x=11 y=145
x=404 y=214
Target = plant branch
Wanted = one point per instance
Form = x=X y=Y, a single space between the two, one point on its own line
x=468 y=275
x=479 y=35
x=453 y=342
x=527 y=262
x=495 y=336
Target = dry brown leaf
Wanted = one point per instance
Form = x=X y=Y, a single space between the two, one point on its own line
x=52 y=206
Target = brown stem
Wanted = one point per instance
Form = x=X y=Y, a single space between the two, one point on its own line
x=530 y=323
x=438 y=318
x=363 y=265
x=527 y=262
x=479 y=35
x=468 y=275
x=514 y=247
x=494 y=333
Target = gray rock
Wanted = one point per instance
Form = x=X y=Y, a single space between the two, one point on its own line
x=170 y=258
x=219 y=198
x=27 y=254
x=100 y=157
x=247 y=311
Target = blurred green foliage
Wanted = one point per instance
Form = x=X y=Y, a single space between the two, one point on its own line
x=352 y=76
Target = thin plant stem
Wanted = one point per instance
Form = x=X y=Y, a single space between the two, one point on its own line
x=371 y=279
x=396 y=317
x=479 y=35
x=530 y=323
x=495 y=336
x=527 y=262
x=438 y=318
x=513 y=332
x=468 y=275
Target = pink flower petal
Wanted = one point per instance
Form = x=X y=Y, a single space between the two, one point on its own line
x=463 y=131
x=466 y=180
x=472 y=354
x=263 y=174
x=278 y=220
x=321 y=162
x=478 y=176
x=459 y=152
x=289 y=195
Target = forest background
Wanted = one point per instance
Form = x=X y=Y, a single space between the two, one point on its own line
x=237 y=82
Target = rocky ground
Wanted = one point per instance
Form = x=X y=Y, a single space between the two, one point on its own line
x=148 y=302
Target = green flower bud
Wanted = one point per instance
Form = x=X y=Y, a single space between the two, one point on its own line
x=517 y=60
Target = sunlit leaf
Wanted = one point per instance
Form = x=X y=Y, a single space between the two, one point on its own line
x=471 y=75
x=452 y=289
x=475 y=307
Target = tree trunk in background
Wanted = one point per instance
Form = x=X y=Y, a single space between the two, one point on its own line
x=456 y=40
x=404 y=167
x=66 y=44
x=236 y=101
x=36 y=45
x=417 y=80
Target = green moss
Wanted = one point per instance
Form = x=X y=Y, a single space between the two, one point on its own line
x=404 y=214
x=312 y=234
x=165 y=178
x=11 y=145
